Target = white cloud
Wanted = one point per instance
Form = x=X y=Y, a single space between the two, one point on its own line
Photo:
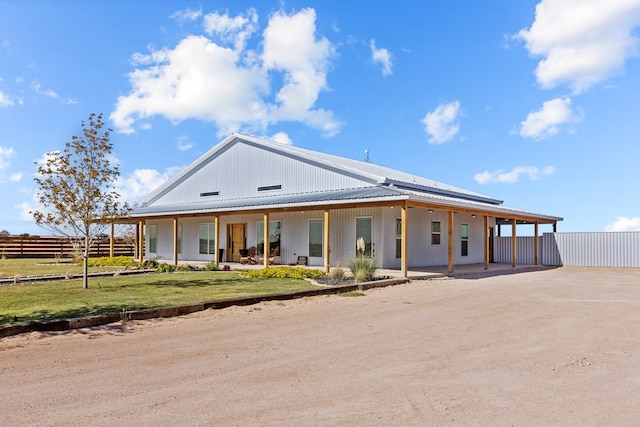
x=187 y=14
x=290 y=46
x=624 y=224
x=230 y=86
x=581 y=42
x=513 y=176
x=25 y=209
x=546 y=121
x=234 y=30
x=184 y=143
x=441 y=124
x=37 y=87
x=15 y=177
x=5 y=155
x=282 y=138
x=140 y=183
x=382 y=57
x=5 y=100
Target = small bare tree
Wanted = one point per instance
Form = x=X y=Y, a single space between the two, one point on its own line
x=76 y=189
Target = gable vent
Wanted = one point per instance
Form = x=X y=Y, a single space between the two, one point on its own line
x=210 y=193
x=270 y=187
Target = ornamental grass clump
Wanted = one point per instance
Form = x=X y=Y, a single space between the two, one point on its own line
x=363 y=267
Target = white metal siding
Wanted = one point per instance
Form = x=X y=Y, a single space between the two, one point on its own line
x=605 y=249
x=240 y=170
x=525 y=250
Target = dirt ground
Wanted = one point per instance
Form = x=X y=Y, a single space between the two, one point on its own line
x=553 y=347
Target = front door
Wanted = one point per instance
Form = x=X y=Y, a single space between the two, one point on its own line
x=236 y=240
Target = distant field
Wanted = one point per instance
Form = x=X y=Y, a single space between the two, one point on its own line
x=66 y=298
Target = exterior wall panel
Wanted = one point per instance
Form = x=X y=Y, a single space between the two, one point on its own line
x=606 y=249
x=597 y=249
x=239 y=171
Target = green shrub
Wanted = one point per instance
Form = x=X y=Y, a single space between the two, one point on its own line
x=212 y=266
x=117 y=261
x=166 y=268
x=363 y=268
x=284 y=273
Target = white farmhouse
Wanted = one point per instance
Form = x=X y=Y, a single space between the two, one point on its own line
x=317 y=206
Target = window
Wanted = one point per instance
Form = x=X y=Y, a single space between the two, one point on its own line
x=315 y=238
x=274 y=236
x=363 y=231
x=398 y=237
x=464 y=235
x=210 y=193
x=153 y=239
x=435 y=232
x=207 y=239
x=270 y=187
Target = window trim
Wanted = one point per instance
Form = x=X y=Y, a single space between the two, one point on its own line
x=315 y=221
x=464 y=239
x=153 y=239
x=398 y=237
x=436 y=233
x=211 y=247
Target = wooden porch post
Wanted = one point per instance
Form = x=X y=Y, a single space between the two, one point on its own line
x=486 y=242
x=404 y=261
x=325 y=240
x=265 y=249
x=450 y=241
x=216 y=237
x=141 y=240
x=513 y=243
x=111 y=240
x=175 y=241
x=555 y=227
x=535 y=244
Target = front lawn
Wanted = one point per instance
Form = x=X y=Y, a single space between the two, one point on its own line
x=66 y=299
x=23 y=267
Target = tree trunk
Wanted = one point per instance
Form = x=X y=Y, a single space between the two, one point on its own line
x=85 y=264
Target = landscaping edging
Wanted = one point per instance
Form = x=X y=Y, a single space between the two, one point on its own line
x=149 y=313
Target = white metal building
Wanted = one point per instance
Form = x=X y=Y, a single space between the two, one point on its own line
x=317 y=206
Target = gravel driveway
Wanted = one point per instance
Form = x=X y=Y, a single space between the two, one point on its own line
x=552 y=347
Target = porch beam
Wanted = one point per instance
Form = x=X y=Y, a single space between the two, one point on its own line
x=265 y=246
x=141 y=240
x=486 y=242
x=514 y=245
x=325 y=240
x=216 y=237
x=404 y=260
x=175 y=241
x=450 y=242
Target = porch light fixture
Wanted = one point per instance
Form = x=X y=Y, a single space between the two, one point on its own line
x=430 y=211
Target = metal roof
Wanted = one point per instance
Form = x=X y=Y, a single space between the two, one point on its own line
x=368 y=171
x=378 y=193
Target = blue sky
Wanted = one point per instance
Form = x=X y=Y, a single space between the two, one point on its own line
x=531 y=102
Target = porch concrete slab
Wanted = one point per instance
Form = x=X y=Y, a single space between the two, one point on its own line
x=421 y=273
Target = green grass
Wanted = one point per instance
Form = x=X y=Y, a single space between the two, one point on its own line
x=42 y=267
x=66 y=299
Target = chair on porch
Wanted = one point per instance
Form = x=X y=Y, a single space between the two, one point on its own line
x=272 y=256
x=248 y=255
